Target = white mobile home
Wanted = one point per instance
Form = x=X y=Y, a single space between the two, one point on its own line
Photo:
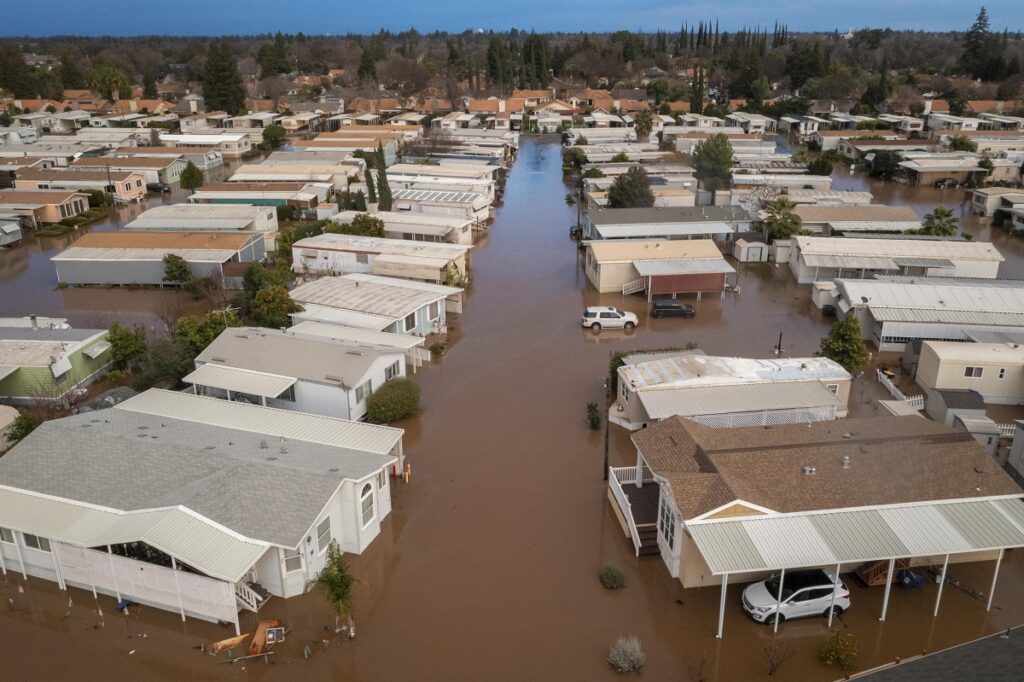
x=282 y=369
x=248 y=498
x=336 y=254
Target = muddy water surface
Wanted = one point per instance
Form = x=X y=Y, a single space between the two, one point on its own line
x=486 y=569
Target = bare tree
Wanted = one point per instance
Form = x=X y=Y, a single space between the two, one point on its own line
x=776 y=655
x=700 y=671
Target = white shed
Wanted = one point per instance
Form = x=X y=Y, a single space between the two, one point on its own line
x=750 y=251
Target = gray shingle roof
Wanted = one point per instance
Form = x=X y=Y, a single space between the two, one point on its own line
x=261 y=487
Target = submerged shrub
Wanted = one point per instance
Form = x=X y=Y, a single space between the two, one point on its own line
x=626 y=655
x=839 y=649
x=395 y=399
x=593 y=416
x=611 y=577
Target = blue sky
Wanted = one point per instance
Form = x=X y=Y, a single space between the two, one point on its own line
x=204 y=17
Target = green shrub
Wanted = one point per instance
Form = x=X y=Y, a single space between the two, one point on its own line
x=394 y=400
x=593 y=416
x=438 y=347
x=24 y=424
x=839 y=649
x=626 y=655
x=611 y=577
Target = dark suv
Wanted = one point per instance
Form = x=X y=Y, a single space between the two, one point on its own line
x=159 y=187
x=670 y=308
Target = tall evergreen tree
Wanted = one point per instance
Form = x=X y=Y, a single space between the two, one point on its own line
x=14 y=72
x=69 y=73
x=222 y=84
x=975 y=42
x=149 y=85
x=383 y=188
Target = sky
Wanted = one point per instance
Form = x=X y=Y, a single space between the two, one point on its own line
x=236 y=17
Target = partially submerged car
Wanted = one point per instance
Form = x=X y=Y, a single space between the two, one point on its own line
x=804 y=593
x=602 y=317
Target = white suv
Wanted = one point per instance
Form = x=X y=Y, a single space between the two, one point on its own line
x=804 y=593
x=598 y=317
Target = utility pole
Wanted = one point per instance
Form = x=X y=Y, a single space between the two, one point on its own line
x=778 y=348
x=607 y=405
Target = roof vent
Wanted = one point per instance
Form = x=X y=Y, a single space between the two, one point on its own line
x=263 y=445
x=809 y=470
x=271 y=458
x=216 y=359
x=846 y=461
x=284 y=451
x=333 y=470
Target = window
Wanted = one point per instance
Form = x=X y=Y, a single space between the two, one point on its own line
x=833 y=388
x=392 y=371
x=667 y=524
x=624 y=391
x=434 y=311
x=366 y=502
x=6 y=536
x=1002 y=372
x=363 y=258
x=35 y=542
x=382 y=480
x=410 y=322
x=973 y=372
x=292 y=560
x=323 y=534
x=363 y=392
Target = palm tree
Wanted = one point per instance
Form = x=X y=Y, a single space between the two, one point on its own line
x=336 y=584
x=643 y=123
x=782 y=221
x=940 y=223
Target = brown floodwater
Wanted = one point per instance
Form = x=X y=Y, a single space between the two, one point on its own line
x=487 y=567
x=28 y=280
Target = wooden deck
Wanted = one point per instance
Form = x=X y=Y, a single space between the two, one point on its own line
x=643 y=501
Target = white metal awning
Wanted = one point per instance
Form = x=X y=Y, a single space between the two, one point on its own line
x=683 y=266
x=828 y=538
x=177 y=531
x=97 y=349
x=240 y=380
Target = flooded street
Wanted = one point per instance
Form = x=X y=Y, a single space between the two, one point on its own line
x=487 y=567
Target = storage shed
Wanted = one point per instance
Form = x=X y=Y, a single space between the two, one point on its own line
x=750 y=251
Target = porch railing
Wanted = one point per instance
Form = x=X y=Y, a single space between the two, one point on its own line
x=247 y=597
x=616 y=477
x=1007 y=430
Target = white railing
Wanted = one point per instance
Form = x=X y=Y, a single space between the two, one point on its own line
x=628 y=475
x=247 y=596
x=1007 y=430
x=916 y=401
x=634 y=286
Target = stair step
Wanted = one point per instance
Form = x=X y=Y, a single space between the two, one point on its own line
x=647 y=550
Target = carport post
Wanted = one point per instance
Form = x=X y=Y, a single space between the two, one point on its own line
x=721 y=605
x=21 y=559
x=995 y=576
x=778 y=599
x=942 y=582
x=832 y=606
x=888 y=587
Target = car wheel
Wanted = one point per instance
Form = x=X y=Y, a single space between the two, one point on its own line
x=836 y=611
x=770 y=620
x=596 y=326
x=628 y=326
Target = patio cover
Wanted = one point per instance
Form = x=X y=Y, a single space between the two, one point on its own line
x=240 y=380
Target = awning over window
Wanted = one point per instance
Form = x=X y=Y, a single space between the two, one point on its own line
x=240 y=380
x=97 y=349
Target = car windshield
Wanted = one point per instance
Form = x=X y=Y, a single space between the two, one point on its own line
x=772 y=585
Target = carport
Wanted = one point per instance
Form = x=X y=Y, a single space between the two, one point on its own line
x=833 y=538
x=684 y=276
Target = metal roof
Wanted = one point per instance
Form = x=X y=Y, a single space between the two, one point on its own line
x=342 y=318
x=896 y=247
x=661 y=403
x=777 y=541
x=695 y=266
x=387 y=297
x=267 y=420
x=240 y=380
x=283 y=356
x=436 y=196
x=191 y=539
